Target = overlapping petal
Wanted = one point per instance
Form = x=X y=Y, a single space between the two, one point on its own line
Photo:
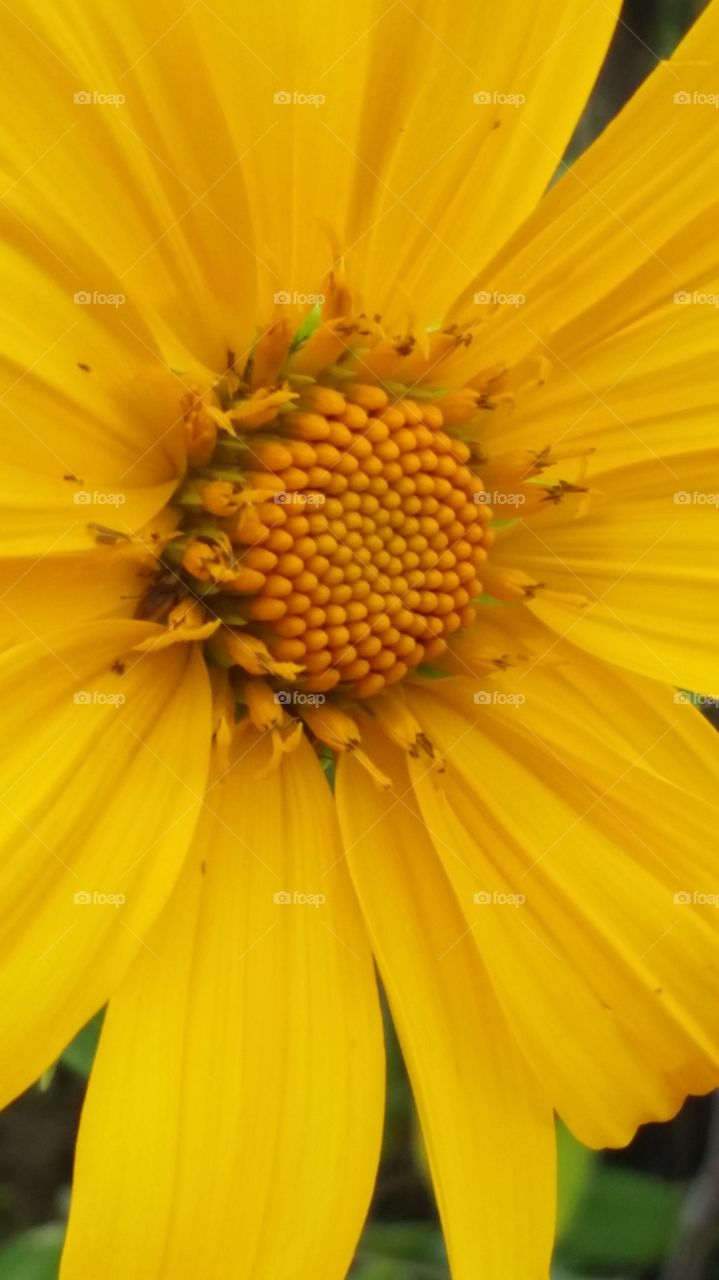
x=635 y=568
x=99 y=797
x=234 y=1115
x=606 y=962
x=42 y=594
x=628 y=225
x=386 y=132
x=486 y=1121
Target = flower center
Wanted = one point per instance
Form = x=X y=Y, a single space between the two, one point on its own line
x=331 y=534
x=335 y=534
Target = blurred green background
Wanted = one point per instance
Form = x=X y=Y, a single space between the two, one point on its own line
x=650 y=1212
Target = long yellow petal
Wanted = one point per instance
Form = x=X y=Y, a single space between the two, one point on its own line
x=647 y=393
x=572 y=860
x=391 y=133
x=628 y=226
x=643 y=555
x=43 y=594
x=234 y=1114
x=99 y=799
x=486 y=1121
x=447 y=158
x=47 y=515
x=91 y=416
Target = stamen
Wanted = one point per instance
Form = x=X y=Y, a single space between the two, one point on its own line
x=249 y=652
x=509 y=584
x=399 y=724
x=282 y=745
x=264 y=710
x=339 y=731
x=184 y=623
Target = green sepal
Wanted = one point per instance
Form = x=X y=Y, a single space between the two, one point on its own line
x=307 y=328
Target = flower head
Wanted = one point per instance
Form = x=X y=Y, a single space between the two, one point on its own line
x=340 y=448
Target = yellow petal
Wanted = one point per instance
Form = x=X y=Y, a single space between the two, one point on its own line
x=99 y=800
x=634 y=716
x=644 y=554
x=39 y=595
x=43 y=515
x=630 y=224
x=486 y=1121
x=605 y=974
x=448 y=163
x=234 y=1113
x=316 y=129
x=647 y=393
x=91 y=415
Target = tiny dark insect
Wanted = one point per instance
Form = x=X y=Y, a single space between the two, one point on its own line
x=85 y=367
x=105 y=535
x=73 y=478
x=157 y=601
x=119 y=667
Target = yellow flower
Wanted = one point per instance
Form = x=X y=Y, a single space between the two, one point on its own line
x=330 y=437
